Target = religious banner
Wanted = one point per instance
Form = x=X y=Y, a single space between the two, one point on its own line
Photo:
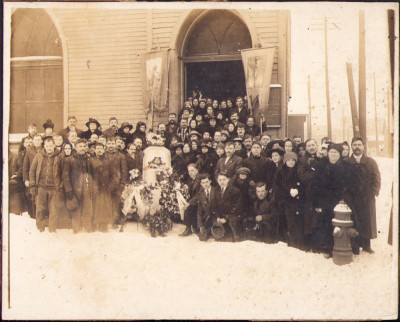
x=155 y=68
x=257 y=65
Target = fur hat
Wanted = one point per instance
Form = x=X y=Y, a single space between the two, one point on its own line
x=243 y=170
x=217 y=230
x=289 y=155
x=178 y=145
x=338 y=147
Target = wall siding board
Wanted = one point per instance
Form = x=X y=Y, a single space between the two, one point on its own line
x=113 y=41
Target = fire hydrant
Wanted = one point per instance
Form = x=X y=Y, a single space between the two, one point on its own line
x=342 y=233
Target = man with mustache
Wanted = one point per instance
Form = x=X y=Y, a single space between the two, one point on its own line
x=364 y=183
x=113 y=129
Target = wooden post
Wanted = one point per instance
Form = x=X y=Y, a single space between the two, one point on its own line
x=353 y=103
x=361 y=77
x=309 y=108
x=376 y=121
x=328 y=102
x=389 y=125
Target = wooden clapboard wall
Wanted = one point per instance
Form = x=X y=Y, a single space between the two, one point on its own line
x=104 y=48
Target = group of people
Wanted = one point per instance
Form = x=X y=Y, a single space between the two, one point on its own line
x=238 y=177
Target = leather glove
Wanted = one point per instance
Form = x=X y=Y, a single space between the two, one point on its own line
x=70 y=195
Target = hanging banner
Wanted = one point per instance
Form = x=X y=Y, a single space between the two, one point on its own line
x=257 y=65
x=155 y=66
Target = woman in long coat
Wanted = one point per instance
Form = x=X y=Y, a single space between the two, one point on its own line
x=289 y=194
x=102 y=175
x=64 y=216
x=329 y=189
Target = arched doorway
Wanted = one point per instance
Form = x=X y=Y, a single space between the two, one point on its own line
x=37 y=91
x=211 y=55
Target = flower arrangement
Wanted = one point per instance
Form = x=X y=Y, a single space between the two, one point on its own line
x=139 y=198
x=154 y=139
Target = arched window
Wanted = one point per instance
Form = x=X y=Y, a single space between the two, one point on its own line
x=211 y=53
x=218 y=32
x=36 y=71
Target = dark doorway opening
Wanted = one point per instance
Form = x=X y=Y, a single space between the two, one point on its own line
x=217 y=80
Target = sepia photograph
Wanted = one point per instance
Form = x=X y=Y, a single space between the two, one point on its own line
x=200 y=160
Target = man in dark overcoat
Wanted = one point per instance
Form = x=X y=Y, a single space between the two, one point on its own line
x=242 y=110
x=229 y=205
x=71 y=126
x=263 y=218
x=113 y=129
x=78 y=183
x=134 y=158
x=45 y=183
x=119 y=175
x=261 y=168
x=206 y=206
x=230 y=163
x=364 y=183
x=306 y=173
x=190 y=219
x=37 y=146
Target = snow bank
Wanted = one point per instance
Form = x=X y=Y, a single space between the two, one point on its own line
x=132 y=275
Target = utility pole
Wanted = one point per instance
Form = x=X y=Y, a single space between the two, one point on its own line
x=376 y=121
x=353 y=103
x=328 y=101
x=361 y=77
x=309 y=108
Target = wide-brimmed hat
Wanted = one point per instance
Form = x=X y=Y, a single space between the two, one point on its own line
x=280 y=150
x=225 y=132
x=48 y=123
x=195 y=133
x=270 y=145
x=92 y=120
x=126 y=124
x=238 y=140
x=217 y=230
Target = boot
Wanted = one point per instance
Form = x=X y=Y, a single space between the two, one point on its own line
x=186 y=232
x=367 y=246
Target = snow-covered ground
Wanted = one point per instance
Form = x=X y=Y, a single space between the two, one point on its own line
x=132 y=275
